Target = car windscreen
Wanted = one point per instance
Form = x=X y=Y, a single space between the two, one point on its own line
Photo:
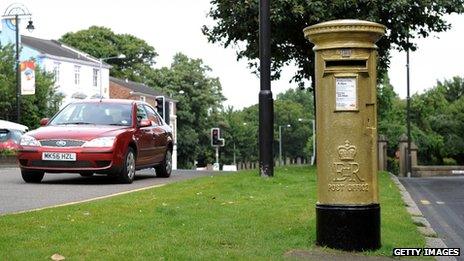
x=16 y=135
x=95 y=113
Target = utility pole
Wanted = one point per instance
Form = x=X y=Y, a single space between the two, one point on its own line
x=235 y=162
x=280 y=145
x=408 y=111
x=15 y=11
x=18 y=74
x=101 y=60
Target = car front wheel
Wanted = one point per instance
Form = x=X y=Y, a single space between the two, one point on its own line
x=30 y=176
x=127 y=173
x=164 y=170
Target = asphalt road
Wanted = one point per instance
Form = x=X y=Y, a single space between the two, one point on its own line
x=56 y=189
x=441 y=200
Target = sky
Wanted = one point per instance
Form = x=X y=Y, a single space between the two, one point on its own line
x=172 y=26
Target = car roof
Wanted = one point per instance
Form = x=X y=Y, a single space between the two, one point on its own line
x=119 y=101
x=12 y=126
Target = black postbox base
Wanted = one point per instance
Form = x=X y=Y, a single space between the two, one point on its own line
x=352 y=228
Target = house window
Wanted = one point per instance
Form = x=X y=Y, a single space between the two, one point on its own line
x=142 y=98
x=77 y=75
x=56 y=73
x=95 y=77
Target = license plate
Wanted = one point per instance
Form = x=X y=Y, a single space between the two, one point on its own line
x=59 y=156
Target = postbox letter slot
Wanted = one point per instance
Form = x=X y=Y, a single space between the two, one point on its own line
x=346 y=63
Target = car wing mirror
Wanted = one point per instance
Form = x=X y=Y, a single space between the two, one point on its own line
x=44 y=121
x=144 y=123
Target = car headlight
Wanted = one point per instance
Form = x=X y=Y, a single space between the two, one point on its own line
x=100 y=142
x=27 y=140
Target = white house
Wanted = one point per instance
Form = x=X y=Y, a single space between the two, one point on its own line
x=77 y=74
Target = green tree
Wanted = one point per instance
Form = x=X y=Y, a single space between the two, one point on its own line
x=237 y=24
x=391 y=114
x=300 y=117
x=241 y=135
x=308 y=149
x=101 y=42
x=453 y=89
x=302 y=97
x=241 y=128
x=44 y=103
x=294 y=138
x=454 y=137
x=438 y=126
x=7 y=83
x=198 y=106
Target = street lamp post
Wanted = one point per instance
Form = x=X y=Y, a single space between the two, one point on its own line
x=235 y=160
x=408 y=112
x=266 y=102
x=15 y=11
x=121 y=56
x=280 y=141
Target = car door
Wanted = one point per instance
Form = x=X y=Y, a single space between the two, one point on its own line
x=144 y=138
x=159 y=134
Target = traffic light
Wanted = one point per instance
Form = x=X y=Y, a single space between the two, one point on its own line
x=215 y=134
x=216 y=140
x=166 y=116
x=162 y=107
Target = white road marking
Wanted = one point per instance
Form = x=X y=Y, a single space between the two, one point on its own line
x=85 y=200
x=425 y=202
x=440 y=202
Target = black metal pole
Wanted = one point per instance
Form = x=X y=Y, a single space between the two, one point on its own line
x=408 y=112
x=266 y=103
x=18 y=83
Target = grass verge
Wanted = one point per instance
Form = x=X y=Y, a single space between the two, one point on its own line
x=231 y=216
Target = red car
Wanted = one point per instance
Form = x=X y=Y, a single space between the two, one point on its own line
x=114 y=137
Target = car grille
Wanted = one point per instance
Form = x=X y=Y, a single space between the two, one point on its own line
x=61 y=164
x=62 y=143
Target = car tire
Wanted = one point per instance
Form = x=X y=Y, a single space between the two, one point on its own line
x=165 y=168
x=86 y=174
x=127 y=173
x=30 y=176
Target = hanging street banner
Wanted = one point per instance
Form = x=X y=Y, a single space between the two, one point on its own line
x=27 y=78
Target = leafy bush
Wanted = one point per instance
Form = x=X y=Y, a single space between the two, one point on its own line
x=449 y=162
x=393 y=165
x=8 y=152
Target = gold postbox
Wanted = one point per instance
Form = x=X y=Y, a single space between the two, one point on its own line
x=347 y=210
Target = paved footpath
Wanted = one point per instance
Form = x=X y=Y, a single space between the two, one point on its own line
x=57 y=189
x=441 y=200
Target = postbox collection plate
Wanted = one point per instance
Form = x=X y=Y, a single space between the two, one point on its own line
x=346 y=98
